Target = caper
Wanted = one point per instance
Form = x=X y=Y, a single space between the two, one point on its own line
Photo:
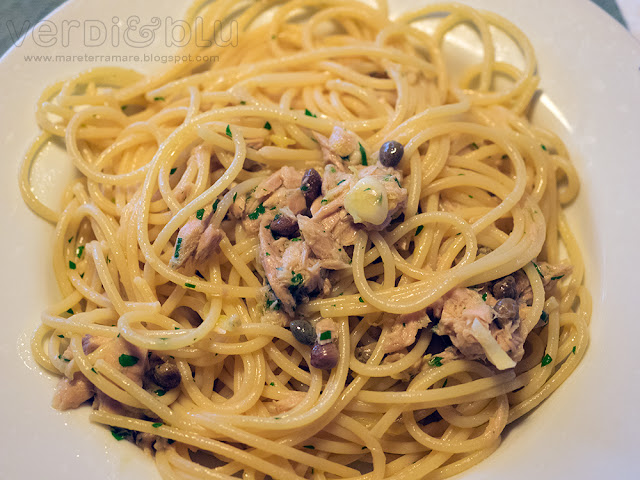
x=285 y=227
x=311 y=185
x=167 y=375
x=505 y=288
x=303 y=331
x=391 y=153
x=325 y=356
x=506 y=310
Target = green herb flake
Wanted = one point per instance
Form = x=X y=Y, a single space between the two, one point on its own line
x=435 y=362
x=123 y=107
x=160 y=392
x=297 y=239
x=79 y=251
x=72 y=265
x=475 y=146
x=470 y=196
x=445 y=382
x=505 y=156
x=345 y=158
x=127 y=360
x=228 y=132
x=257 y=212
x=546 y=360
x=274 y=36
x=172 y=171
x=70 y=312
x=159 y=99
x=342 y=181
x=543 y=147
x=94 y=370
x=484 y=296
x=326 y=335
x=272 y=384
x=397 y=181
x=70 y=239
x=538 y=269
x=82 y=275
x=189 y=285
x=176 y=254
x=200 y=214
x=308 y=113
x=332 y=169
x=120 y=433
x=360 y=300
x=66 y=359
x=60 y=336
x=276 y=418
x=267 y=126
x=557 y=278
x=324 y=201
x=215 y=205
x=296 y=278
x=235 y=195
x=573 y=350
x=157 y=424
x=363 y=154
x=311 y=447
x=419 y=229
x=304 y=188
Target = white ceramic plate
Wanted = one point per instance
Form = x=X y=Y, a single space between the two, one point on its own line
x=588 y=429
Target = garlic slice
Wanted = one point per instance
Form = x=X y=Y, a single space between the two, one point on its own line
x=495 y=354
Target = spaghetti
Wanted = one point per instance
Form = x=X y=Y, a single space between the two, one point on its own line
x=256 y=282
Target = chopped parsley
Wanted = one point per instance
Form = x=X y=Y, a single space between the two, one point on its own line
x=475 y=146
x=546 y=360
x=176 y=254
x=435 y=362
x=326 y=335
x=235 y=195
x=172 y=171
x=80 y=249
x=505 y=156
x=200 y=214
x=272 y=384
x=308 y=113
x=228 y=132
x=70 y=239
x=304 y=188
x=484 y=296
x=94 y=370
x=160 y=392
x=310 y=447
x=543 y=147
x=157 y=424
x=60 y=336
x=360 y=300
x=189 y=285
x=159 y=99
x=215 y=205
x=72 y=265
x=324 y=201
x=537 y=269
x=573 y=350
x=297 y=239
x=419 y=229
x=127 y=360
x=342 y=181
x=120 y=433
x=267 y=126
x=296 y=278
x=470 y=196
x=557 y=278
x=445 y=382
x=70 y=311
x=257 y=212
x=123 y=107
x=363 y=154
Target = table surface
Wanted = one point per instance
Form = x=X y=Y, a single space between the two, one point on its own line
x=14 y=14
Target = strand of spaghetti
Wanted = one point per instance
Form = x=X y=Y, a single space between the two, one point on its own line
x=214 y=446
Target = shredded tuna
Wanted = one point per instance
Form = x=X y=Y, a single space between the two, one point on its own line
x=461 y=307
x=285 y=404
x=72 y=393
x=550 y=274
x=400 y=332
x=407 y=374
x=90 y=343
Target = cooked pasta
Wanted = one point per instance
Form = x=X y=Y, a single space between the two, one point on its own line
x=322 y=254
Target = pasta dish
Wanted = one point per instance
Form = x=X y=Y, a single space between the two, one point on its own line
x=320 y=253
